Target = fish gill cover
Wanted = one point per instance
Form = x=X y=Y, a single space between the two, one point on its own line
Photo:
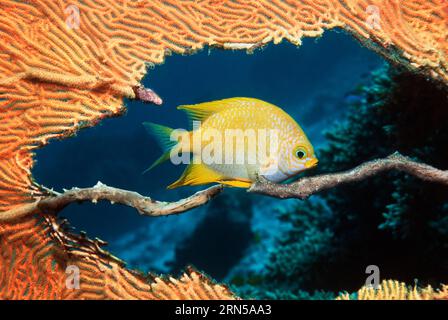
x=64 y=67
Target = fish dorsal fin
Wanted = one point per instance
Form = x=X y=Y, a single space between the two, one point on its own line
x=196 y=174
x=202 y=111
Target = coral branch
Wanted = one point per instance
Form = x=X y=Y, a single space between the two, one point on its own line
x=300 y=189
x=308 y=186
x=55 y=202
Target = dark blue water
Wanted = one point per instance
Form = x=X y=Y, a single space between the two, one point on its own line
x=310 y=83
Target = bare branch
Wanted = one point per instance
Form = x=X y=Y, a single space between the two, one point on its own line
x=55 y=202
x=300 y=189
x=308 y=186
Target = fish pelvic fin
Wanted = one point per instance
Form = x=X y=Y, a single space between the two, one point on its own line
x=237 y=183
x=163 y=137
x=196 y=174
x=201 y=111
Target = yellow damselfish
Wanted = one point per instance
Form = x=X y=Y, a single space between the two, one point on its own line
x=234 y=140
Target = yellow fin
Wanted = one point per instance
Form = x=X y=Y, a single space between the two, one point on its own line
x=237 y=183
x=196 y=174
x=202 y=111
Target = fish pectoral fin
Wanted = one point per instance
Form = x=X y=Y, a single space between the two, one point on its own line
x=197 y=174
x=237 y=183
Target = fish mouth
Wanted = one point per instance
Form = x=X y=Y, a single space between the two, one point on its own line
x=311 y=163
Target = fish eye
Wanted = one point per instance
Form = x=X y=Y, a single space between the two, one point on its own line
x=300 y=153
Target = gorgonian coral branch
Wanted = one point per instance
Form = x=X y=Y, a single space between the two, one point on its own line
x=55 y=202
x=308 y=186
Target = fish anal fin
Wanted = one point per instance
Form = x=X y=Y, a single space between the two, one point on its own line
x=196 y=174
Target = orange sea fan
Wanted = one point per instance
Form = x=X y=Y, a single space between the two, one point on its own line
x=68 y=64
x=65 y=65
x=34 y=260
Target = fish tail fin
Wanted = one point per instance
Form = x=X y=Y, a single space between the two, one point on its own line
x=163 y=137
x=165 y=156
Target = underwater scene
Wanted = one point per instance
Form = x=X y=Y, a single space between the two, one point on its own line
x=253 y=150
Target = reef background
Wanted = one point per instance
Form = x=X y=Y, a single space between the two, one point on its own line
x=313 y=83
x=354 y=107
